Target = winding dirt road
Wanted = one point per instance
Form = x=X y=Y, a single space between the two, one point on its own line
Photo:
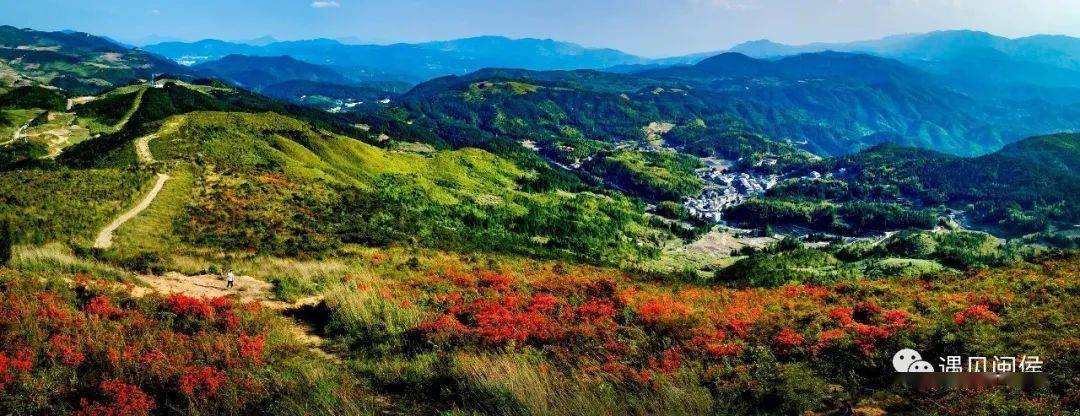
x=142 y=149
x=104 y=237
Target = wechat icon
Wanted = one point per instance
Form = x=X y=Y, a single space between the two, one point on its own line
x=910 y=361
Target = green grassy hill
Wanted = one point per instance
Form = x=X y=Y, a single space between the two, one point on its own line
x=275 y=184
x=77 y=62
x=247 y=178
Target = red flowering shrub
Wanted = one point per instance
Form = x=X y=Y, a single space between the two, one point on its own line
x=867 y=337
x=897 y=319
x=662 y=311
x=12 y=367
x=252 y=348
x=976 y=313
x=201 y=382
x=67 y=350
x=842 y=315
x=102 y=306
x=116 y=355
x=829 y=338
x=787 y=339
x=120 y=399
x=191 y=307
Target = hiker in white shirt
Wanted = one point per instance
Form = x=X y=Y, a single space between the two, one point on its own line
x=229 y=279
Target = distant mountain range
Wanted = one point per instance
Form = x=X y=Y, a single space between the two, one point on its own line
x=1042 y=66
x=969 y=57
x=828 y=103
x=411 y=62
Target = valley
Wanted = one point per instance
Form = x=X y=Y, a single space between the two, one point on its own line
x=521 y=227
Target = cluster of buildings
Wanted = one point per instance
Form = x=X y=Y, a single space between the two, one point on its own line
x=725 y=189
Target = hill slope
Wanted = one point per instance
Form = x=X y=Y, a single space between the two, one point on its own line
x=257 y=72
x=77 y=62
x=827 y=103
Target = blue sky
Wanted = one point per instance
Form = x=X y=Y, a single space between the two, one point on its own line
x=645 y=27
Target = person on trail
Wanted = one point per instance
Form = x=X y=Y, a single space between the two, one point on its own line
x=229 y=279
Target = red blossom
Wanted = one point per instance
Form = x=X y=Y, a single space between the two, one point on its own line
x=669 y=361
x=201 y=382
x=843 y=315
x=189 y=306
x=978 y=312
x=867 y=337
x=787 y=339
x=543 y=303
x=443 y=325
x=596 y=309
x=897 y=319
x=830 y=336
x=252 y=347
x=493 y=280
x=11 y=367
x=719 y=350
x=662 y=310
x=121 y=399
x=101 y=306
x=497 y=323
x=67 y=350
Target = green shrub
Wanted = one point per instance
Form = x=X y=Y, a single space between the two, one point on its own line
x=290 y=288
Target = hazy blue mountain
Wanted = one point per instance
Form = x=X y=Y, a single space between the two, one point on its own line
x=837 y=102
x=412 y=62
x=256 y=72
x=259 y=41
x=975 y=60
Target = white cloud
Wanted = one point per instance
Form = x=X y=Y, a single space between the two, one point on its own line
x=322 y=4
x=155 y=12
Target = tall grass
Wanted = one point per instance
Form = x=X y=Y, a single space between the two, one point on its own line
x=512 y=384
x=364 y=314
x=57 y=257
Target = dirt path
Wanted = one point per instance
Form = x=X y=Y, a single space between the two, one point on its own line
x=142 y=149
x=72 y=102
x=104 y=237
x=18 y=132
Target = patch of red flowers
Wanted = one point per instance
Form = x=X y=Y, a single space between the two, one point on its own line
x=119 y=354
x=787 y=339
x=188 y=306
x=12 y=367
x=120 y=399
x=662 y=310
x=976 y=313
x=66 y=349
x=102 y=306
x=201 y=382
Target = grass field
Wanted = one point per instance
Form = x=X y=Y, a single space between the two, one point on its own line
x=67 y=205
x=153 y=229
x=13 y=119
